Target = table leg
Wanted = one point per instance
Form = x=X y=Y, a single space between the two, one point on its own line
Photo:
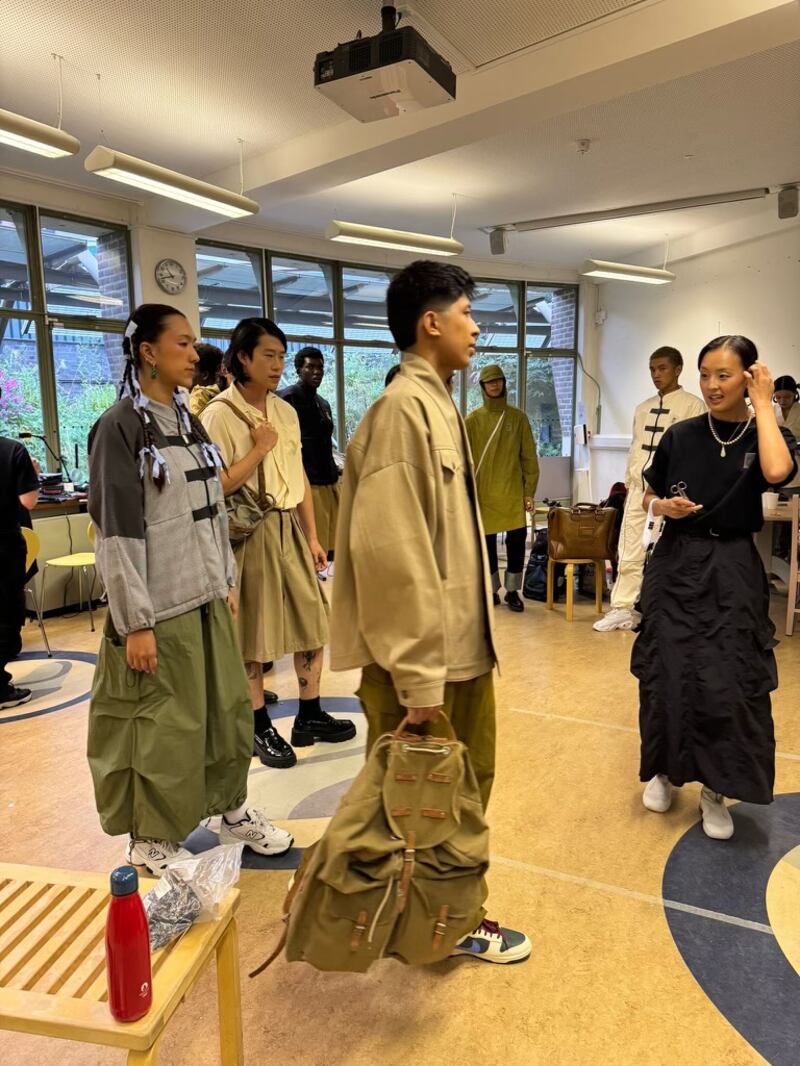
x=229 y=996
x=144 y=1058
x=550 y=583
x=599 y=574
x=570 y=589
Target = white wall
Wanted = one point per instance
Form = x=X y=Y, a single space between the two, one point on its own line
x=148 y=248
x=752 y=288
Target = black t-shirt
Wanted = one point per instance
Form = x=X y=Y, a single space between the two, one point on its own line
x=316 y=433
x=17 y=477
x=729 y=487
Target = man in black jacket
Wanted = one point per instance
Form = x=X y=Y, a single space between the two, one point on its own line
x=316 y=433
x=19 y=487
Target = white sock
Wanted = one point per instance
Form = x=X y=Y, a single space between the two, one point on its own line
x=236 y=815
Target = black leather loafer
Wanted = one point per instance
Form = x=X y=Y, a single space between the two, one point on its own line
x=321 y=727
x=272 y=749
x=270 y=697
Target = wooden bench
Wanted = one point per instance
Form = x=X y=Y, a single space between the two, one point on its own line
x=53 y=970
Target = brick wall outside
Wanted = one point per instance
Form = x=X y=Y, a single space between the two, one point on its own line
x=112 y=266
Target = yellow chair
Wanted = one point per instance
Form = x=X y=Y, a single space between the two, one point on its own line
x=32 y=546
x=570 y=564
x=80 y=561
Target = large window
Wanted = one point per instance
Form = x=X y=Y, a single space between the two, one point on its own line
x=364 y=299
x=85 y=268
x=495 y=307
x=550 y=401
x=229 y=285
x=365 y=370
x=302 y=296
x=88 y=369
x=551 y=316
x=15 y=291
x=20 y=398
x=63 y=307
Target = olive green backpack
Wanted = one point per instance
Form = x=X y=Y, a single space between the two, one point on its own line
x=399 y=872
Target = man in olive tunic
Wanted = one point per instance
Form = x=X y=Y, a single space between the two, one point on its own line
x=507 y=473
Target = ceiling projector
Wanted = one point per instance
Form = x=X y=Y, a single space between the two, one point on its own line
x=394 y=72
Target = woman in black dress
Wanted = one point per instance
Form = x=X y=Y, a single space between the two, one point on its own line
x=703 y=655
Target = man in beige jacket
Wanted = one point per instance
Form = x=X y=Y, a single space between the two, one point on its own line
x=412 y=590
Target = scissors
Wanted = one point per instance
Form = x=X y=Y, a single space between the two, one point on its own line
x=679 y=489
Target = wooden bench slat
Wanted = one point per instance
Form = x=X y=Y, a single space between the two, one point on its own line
x=73 y=956
x=20 y=903
x=26 y=923
x=9 y=888
x=80 y=906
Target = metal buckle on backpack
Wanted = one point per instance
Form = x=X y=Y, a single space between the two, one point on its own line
x=442 y=750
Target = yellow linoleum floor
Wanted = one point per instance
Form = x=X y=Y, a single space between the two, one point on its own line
x=579 y=865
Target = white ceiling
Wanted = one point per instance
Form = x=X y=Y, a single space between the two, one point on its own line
x=179 y=84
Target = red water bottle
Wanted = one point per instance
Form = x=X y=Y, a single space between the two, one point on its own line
x=130 y=982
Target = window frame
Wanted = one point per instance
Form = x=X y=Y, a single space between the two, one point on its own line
x=45 y=320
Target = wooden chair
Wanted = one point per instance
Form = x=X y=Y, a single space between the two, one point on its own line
x=53 y=969
x=570 y=564
x=792 y=608
x=80 y=561
x=32 y=546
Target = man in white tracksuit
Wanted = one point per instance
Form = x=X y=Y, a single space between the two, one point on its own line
x=671 y=404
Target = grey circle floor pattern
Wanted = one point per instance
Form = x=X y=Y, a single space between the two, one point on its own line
x=68 y=656
x=742 y=971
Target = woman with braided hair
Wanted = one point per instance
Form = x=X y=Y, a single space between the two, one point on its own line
x=170 y=725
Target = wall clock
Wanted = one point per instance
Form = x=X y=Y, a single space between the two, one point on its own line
x=170 y=276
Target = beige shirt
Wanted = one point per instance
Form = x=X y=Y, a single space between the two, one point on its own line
x=412 y=588
x=283 y=466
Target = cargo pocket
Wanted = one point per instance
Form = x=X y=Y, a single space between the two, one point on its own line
x=437 y=915
x=114 y=682
x=349 y=931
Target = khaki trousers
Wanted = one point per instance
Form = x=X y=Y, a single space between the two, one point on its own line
x=468 y=704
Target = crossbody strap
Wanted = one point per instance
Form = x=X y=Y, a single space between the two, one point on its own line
x=489 y=443
x=265 y=500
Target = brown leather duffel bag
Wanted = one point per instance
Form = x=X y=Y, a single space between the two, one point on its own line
x=584 y=531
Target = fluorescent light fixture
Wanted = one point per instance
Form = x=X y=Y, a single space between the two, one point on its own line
x=635 y=210
x=129 y=170
x=599 y=268
x=378 y=237
x=32 y=136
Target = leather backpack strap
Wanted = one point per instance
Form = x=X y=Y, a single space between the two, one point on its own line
x=265 y=500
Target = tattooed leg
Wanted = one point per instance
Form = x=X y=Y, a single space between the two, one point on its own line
x=255 y=684
x=308 y=667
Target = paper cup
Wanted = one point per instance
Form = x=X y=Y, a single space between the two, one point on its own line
x=769 y=501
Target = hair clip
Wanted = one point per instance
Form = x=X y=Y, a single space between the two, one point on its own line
x=130 y=329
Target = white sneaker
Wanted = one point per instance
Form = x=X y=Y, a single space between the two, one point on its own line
x=717 y=821
x=657 y=795
x=257 y=832
x=617 y=618
x=156 y=855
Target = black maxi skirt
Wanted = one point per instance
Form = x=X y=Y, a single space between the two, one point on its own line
x=705 y=665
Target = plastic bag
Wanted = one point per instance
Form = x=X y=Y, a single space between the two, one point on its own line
x=191 y=890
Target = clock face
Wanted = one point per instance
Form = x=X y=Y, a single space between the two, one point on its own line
x=171 y=276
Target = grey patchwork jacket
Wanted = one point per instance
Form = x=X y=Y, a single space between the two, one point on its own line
x=159 y=553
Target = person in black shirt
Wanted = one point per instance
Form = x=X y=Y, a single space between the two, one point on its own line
x=316 y=435
x=703 y=655
x=19 y=487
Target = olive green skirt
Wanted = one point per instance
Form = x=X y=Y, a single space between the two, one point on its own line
x=169 y=749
